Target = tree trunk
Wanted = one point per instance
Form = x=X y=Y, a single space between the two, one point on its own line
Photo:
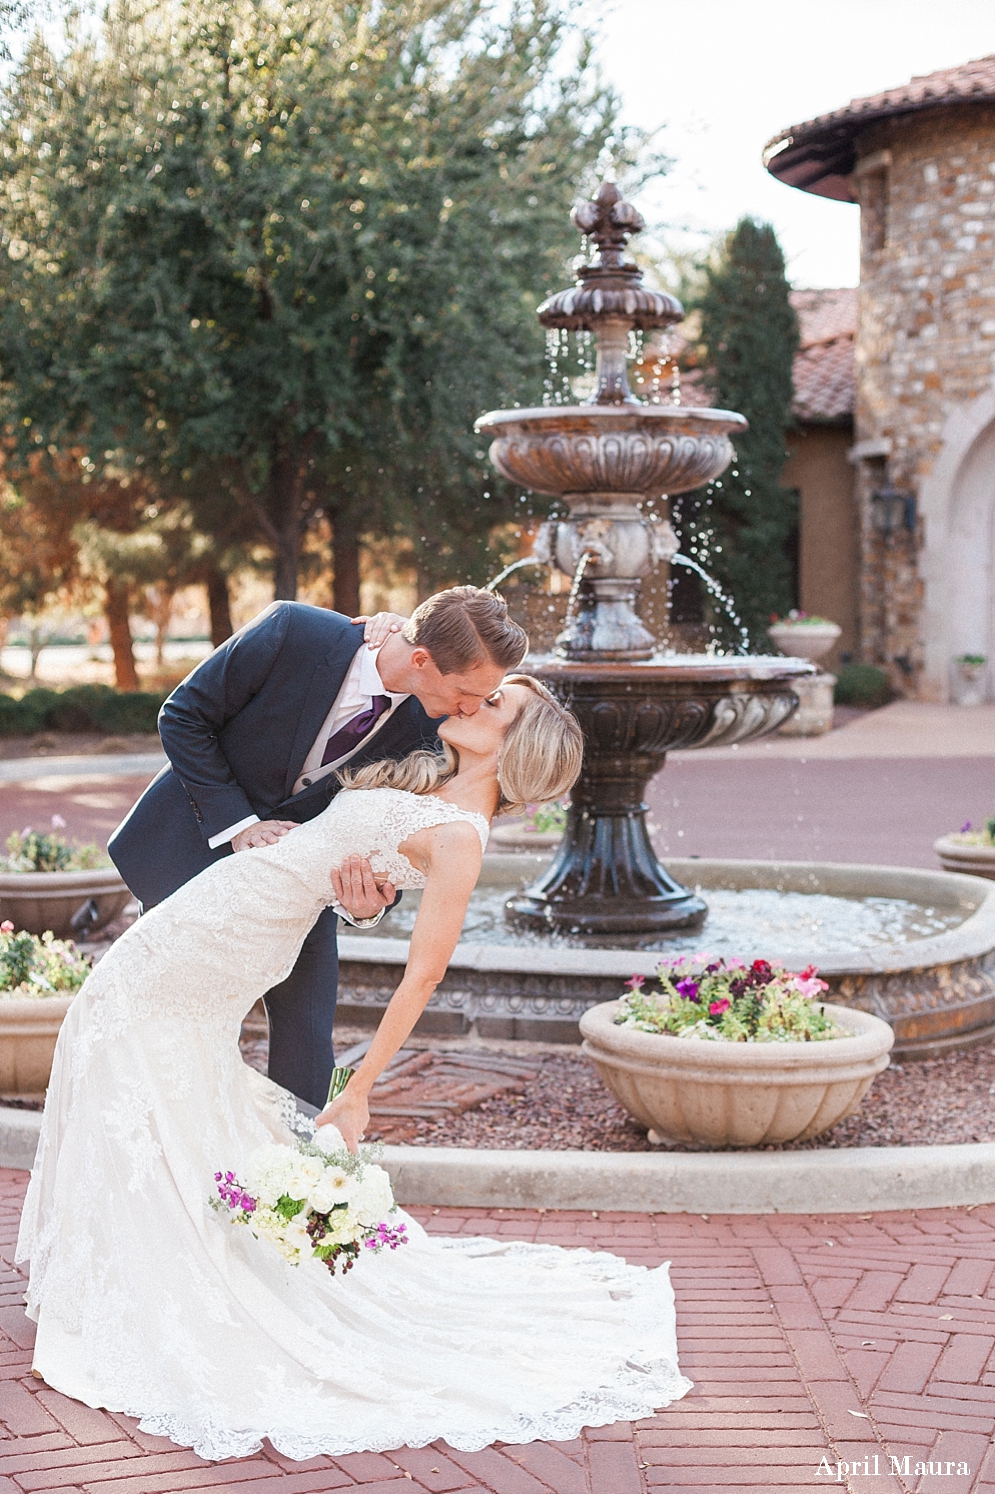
x=219 y=604
x=346 y=555
x=116 y=611
x=286 y=479
x=37 y=639
x=159 y=599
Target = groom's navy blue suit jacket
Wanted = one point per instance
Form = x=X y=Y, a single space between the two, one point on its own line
x=236 y=733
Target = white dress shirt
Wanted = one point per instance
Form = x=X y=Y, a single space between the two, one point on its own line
x=361 y=684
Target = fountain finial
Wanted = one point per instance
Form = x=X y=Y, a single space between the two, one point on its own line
x=609 y=298
x=610 y=221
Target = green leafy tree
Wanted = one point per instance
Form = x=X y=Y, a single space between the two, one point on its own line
x=277 y=256
x=743 y=525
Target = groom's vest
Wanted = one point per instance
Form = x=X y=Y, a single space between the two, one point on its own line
x=237 y=732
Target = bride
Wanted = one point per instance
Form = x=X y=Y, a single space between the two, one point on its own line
x=146 y=1304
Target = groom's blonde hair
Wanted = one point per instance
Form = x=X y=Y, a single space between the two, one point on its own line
x=540 y=758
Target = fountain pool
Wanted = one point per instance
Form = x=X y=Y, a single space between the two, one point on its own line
x=915 y=947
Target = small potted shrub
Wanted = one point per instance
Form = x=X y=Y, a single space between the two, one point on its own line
x=969 y=679
x=48 y=883
x=731 y=1054
x=540 y=830
x=802 y=635
x=969 y=849
x=38 y=979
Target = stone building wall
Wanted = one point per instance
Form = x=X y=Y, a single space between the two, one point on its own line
x=925 y=349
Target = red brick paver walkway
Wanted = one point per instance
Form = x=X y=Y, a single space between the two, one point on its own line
x=845 y=1338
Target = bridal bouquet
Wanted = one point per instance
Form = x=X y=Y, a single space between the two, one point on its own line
x=314 y=1201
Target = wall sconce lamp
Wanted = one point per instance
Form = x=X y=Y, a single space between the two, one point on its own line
x=892 y=509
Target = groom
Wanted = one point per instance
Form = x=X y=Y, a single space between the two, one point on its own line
x=254 y=736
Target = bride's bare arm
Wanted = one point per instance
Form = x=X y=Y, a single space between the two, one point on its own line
x=452 y=867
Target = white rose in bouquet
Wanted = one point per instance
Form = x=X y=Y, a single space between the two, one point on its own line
x=296 y=1238
x=328 y=1139
x=374 y=1197
x=307 y=1174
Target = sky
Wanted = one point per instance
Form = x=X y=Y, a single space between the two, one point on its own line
x=723 y=76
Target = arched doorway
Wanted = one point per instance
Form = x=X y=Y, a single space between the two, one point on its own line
x=958 y=558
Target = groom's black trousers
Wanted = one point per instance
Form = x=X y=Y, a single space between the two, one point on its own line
x=301 y=1010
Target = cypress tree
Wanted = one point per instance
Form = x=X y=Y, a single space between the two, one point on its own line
x=746 y=521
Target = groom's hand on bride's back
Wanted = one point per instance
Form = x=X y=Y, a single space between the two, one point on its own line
x=356 y=890
x=262 y=833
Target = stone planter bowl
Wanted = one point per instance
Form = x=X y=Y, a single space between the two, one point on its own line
x=737 y=1094
x=955 y=856
x=29 y=1028
x=519 y=838
x=38 y=901
x=804 y=640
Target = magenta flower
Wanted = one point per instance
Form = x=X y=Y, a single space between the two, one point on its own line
x=687 y=988
x=635 y=982
x=716 y=1008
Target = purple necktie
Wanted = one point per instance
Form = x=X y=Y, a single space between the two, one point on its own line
x=349 y=736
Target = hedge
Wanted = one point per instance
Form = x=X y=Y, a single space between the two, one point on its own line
x=88 y=708
x=862 y=685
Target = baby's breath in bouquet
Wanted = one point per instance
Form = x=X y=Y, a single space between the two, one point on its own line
x=313 y=1201
x=729 y=1001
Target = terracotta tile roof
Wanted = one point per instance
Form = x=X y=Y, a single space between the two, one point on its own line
x=819 y=155
x=823 y=368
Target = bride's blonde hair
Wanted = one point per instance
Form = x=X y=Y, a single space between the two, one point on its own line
x=539 y=761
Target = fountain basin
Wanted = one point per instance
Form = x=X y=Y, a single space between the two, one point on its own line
x=584 y=451
x=605 y=878
x=737 y=1094
x=937 y=992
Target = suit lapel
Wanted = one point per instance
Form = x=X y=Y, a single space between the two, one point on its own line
x=325 y=684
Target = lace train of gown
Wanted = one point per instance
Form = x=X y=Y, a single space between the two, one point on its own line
x=149 y=1304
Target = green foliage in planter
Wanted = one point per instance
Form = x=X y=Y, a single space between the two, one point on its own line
x=38 y=851
x=82 y=708
x=45 y=966
x=862 y=685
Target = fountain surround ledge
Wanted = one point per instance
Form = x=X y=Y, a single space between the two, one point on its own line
x=938 y=993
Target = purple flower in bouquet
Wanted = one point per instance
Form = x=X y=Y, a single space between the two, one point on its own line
x=687 y=988
x=233 y=1194
x=384 y=1236
x=965 y=828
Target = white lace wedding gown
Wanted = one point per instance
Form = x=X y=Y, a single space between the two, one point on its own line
x=149 y=1303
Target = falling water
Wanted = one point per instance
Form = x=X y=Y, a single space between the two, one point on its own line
x=725 y=602
x=582 y=565
x=516 y=565
x=556 y=381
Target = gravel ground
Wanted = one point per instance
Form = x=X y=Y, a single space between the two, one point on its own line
x=950 y=1099
x=567 y=1108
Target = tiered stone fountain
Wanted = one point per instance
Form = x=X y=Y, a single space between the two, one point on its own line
x=605 y=459
x=605 y=887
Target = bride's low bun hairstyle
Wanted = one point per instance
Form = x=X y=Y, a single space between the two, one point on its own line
x=539 y=761
x=542 y=752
